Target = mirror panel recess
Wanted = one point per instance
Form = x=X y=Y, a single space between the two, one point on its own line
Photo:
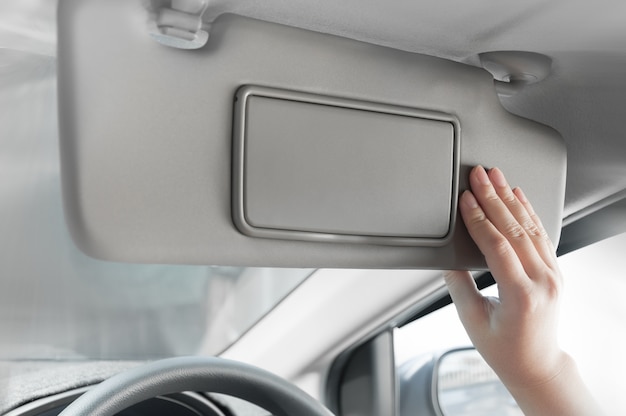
x=310 y=167
x=147 y=134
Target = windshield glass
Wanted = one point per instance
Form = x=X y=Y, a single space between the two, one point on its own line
x=57 y=303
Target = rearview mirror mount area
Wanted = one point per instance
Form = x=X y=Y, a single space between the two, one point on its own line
x=277 y=146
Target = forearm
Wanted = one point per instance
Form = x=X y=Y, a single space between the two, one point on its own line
x=564 y=394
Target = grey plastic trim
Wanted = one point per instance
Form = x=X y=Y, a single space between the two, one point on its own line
x=595 y=207
x=240 y=216
x=364 y=379
x=608 y=221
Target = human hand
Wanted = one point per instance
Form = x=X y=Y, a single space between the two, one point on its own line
x=517 y=332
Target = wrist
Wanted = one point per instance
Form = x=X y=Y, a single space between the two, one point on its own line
x=564 y=392
x=539 y=374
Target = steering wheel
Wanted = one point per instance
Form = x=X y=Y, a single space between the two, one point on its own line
x=207 y=374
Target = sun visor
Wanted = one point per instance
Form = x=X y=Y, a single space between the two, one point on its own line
x=276 y=146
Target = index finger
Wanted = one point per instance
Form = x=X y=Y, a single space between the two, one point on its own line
x=509 y=217
x=499 y=254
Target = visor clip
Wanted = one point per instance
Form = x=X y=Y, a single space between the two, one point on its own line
x=180 y=25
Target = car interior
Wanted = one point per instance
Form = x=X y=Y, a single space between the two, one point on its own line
x=233 y=207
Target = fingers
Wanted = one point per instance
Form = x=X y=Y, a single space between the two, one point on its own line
x=498 y=252
x=463 y=291
x=523 y=213
x=509 y=217
x=466 y=297
x=542 y=239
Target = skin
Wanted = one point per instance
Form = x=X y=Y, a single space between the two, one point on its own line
x=516 y=333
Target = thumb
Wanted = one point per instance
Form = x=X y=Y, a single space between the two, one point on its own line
x=463 y=290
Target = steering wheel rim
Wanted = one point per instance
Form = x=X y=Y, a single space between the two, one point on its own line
x=210 y=374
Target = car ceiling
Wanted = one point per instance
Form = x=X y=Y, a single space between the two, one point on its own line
x=584 y=97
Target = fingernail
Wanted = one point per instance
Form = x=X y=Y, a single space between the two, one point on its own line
x=521 y=195
x=481 y=175
x=497 y=178
x=469 y=200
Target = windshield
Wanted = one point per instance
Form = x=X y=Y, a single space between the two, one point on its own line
x=57 y=303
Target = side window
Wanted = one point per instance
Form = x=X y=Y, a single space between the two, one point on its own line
x=439 y=373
